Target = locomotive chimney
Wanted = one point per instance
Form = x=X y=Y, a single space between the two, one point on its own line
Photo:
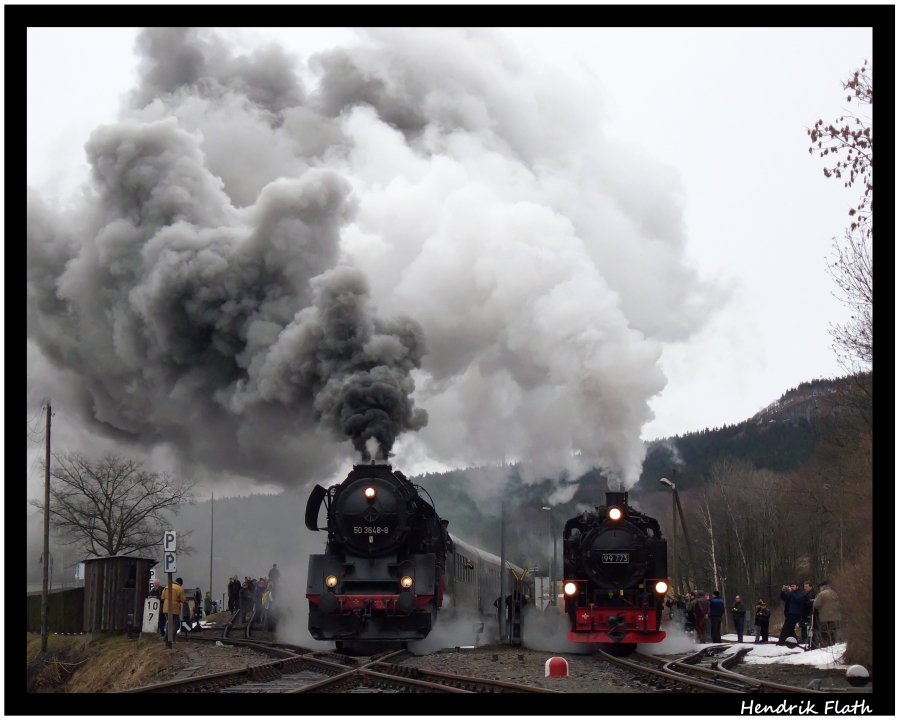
x=617 y=498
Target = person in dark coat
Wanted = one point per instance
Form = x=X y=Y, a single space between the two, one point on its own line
x=701 y=611
x=810 y=596
x=275 y=573
x=716 y=613
x=738 y=612
x=690 y=603
x=198 y=607
x=762 y=622
x=234 y=593
x=207 y=604
x=794 y=599
x=245 y=600
x=156 y=592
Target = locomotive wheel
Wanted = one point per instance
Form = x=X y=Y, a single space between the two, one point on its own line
x=618 y=649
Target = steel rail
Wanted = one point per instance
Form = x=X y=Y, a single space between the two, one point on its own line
x=470 y=684
x=289 y=662
x=724 y=668
x=664 y=674
x=326 y=656
x=721 y=671
x=406 y=676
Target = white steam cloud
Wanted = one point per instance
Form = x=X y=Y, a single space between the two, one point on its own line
x=262 y=270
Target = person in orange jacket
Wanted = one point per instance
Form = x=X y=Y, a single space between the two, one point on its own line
x=177 y=598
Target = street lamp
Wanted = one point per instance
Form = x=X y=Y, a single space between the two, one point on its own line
x=687 y=540
x=666 y=481
x=551 y=596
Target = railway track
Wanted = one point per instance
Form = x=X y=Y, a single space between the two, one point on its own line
x=703 y=671
x=381 y=675
x=299 y=665
x=299 y=669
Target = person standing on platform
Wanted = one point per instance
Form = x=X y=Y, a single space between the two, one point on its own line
x=738 y=612
x=716 y=613
x=762 y=622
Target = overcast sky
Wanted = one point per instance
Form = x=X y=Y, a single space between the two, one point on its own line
x=712 y=119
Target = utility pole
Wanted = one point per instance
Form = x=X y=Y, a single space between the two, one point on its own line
x=675 y=547
x=552 y=585
x=502 y=611
x=687 y=540
x=45 y=593
x=551 y=549
x=211 y=519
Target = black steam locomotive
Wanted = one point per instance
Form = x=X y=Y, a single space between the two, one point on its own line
x=382 y=574
x=388 y=562
x=616 y=576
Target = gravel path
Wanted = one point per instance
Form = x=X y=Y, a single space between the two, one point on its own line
x=587 y=674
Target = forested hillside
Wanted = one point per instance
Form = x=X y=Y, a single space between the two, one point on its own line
x=781 y=437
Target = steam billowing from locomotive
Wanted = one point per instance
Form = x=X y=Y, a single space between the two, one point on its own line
x=253 y=273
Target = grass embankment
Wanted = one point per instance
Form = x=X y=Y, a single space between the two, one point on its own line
x=108 y=663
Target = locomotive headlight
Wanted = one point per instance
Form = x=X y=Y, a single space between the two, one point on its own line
x=661 y=587
x=331 y=581
x=570 y=588
x=406 y=581
x=614 y=514
x=369 y=492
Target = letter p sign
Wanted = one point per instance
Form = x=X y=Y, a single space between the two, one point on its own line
x=169 y=541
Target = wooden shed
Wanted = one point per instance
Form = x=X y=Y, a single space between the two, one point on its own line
x=115 y=587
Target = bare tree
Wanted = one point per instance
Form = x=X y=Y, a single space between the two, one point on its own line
x=855 y=138
x=112 y=506
x=851 y=264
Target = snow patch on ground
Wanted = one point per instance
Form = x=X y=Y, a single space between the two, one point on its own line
x=764 y=654
x=760 y=654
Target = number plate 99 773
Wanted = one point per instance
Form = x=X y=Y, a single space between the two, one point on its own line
x=615 y=558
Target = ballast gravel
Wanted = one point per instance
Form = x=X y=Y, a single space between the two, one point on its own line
x=587 y=674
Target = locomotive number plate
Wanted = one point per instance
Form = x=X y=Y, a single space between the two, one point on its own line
x=367 y=530
x=616 y=558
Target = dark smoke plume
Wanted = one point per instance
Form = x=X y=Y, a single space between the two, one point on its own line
x=189 y=320
x=223 y=290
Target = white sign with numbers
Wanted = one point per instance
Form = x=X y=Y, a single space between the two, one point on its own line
x=152 y=608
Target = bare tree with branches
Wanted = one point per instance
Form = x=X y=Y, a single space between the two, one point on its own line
x=112 y=506
x=855 y=138
x=851 y=264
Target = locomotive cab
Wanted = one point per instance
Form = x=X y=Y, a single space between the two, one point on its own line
x=616 y=576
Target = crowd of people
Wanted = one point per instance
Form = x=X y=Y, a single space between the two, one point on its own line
x=816 y=614
x=254 y=598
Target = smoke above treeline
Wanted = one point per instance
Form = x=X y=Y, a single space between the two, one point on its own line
x=430 y=235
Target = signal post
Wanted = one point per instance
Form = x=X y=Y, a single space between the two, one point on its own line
x=169 y=557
